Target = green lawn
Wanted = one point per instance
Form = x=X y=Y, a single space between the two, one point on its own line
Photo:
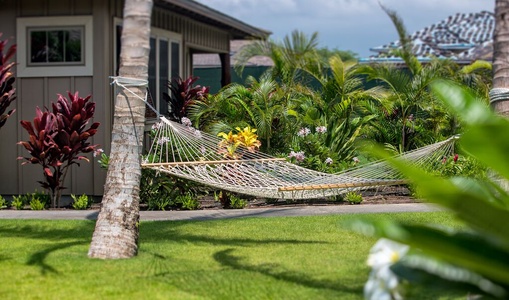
x=252 y=258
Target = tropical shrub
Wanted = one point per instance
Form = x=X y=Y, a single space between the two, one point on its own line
x=7 y=90
x=309 y=150
x=82 y=202
x=473 y=258
x=188 y=201
x=58 y=138
x=183 y=95
x=36 y=204
x=237 y=202
x=460 y=165
x=42 y=196
x=18 y=202
x=3 y=202
x=229 y=200
x=353 y=198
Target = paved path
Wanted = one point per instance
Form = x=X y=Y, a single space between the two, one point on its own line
x=225 y=213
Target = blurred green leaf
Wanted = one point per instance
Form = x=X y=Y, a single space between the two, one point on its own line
x=468 y=199
x=460 y=100
x=469 y=250
x=420 y=269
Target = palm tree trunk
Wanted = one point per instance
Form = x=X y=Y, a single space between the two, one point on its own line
x=116 y=231
x=501 y=55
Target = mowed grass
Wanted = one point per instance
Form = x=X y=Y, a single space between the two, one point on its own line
x=251 y=258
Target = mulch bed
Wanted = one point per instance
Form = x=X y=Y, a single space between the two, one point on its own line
x=385 y=195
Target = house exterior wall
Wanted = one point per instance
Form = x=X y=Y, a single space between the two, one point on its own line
x=42 y=91
x=31 y=92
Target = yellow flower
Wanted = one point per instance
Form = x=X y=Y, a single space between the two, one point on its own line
x=245 y=137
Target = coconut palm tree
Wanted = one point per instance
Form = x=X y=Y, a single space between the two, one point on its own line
x=409 y=115
x=294 y=53
x=501 y=54
x=116 y=231
x=260 y=104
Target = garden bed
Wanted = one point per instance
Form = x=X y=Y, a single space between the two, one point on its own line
x=386 y=195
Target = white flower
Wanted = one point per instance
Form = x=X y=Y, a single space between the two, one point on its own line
x=157 y=125
x=163 y=140
x=329 y=161
x=303 y=132
x=98 y=152
x=356 y=160
x=299 y=156
x=321 y=129
x=186 y=122
x=386 y=252
x=197 y=134
x=203 y=150
x=382 y=282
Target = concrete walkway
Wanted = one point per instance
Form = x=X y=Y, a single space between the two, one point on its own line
x=314 y=210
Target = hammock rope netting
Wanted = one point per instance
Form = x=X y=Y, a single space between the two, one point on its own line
x=189 y=153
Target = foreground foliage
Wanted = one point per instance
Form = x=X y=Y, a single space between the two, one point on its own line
x=474 y=260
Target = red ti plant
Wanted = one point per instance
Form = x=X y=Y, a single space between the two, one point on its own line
x=7 y=90
x=58 y=139
x=183 y=95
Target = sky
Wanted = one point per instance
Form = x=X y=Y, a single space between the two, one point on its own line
x=355 y=25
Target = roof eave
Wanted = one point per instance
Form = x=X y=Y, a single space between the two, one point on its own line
x=238 y=29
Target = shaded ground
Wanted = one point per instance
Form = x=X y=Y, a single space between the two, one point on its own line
x=385 y=195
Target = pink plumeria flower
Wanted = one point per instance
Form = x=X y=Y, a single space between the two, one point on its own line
x=303 y=132
x=157 y=125
x=186 y=122
x=321 y=129
x=163 y=140
x=299 y=156
x=98 y=152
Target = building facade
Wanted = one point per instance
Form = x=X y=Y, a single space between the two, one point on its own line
x=73 y=45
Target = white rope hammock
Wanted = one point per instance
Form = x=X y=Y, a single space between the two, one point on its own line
x=188 y=153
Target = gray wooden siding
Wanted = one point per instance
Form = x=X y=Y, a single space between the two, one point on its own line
x=32 y=92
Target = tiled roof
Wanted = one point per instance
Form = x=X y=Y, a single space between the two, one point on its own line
x=212 y=59
x=463 y=37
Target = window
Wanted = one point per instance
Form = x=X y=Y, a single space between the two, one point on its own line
x=55 y=46
x=164 y=64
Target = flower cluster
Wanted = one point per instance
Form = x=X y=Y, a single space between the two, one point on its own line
x=303 y=132
x=186 y=122
x=321 y=129
x=299 y=156
x=157 y=125
x=163 y=140
x=328 y=161
x=244 y=137
x=382 y=282
x=98 y=152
